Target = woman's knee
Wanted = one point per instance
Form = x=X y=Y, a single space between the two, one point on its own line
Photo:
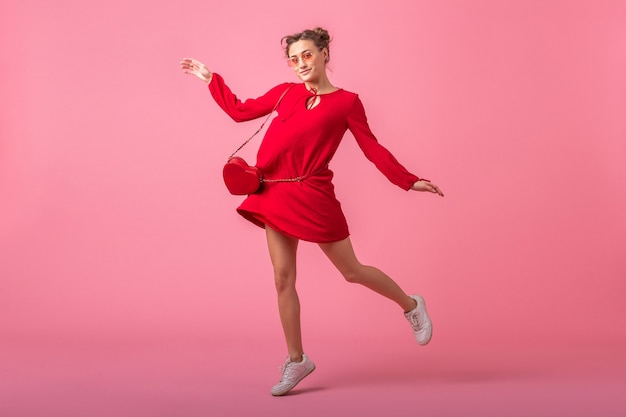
x=353 y=275
x=284 y=279
x=342 y=256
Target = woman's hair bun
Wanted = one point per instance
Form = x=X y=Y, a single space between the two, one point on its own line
x=319 y=36
x=323 y=35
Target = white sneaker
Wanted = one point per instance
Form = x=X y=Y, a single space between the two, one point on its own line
x=418 y=317
x=293 y=372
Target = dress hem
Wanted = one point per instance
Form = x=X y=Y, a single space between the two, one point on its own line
x=259 y=220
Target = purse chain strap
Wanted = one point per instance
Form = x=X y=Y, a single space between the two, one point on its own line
x=295 y=179
x=262 y=124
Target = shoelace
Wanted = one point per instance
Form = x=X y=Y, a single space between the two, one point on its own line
x=285 y=369
x=415 y=321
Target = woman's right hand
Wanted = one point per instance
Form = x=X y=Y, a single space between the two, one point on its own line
x=197 y=68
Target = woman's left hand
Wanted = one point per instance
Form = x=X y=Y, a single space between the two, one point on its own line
x=423 y=185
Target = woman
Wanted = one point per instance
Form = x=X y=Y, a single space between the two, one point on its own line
x=300 y=142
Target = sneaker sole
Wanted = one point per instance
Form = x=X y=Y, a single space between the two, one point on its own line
x=281 y=393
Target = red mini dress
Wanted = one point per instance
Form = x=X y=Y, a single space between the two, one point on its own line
x=301 y=142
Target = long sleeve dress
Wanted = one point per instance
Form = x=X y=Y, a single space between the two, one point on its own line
x=300 y=142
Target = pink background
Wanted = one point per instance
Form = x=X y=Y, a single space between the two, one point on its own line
x=130 y=287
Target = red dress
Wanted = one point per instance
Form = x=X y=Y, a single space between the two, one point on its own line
x=300 y=143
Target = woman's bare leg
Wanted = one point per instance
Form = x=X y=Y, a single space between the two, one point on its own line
x=341 y=254
x=283 y=255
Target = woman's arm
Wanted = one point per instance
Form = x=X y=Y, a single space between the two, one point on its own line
x=238 y=110
x=381 y=157
x=249 y=109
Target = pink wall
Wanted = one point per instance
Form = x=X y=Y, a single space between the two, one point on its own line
x=114 y=219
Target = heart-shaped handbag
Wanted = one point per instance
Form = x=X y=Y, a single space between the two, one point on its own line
x=239 y=177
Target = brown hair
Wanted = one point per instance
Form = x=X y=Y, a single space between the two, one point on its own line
x=319 y=36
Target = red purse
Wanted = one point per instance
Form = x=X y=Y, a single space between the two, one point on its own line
x=241 y=178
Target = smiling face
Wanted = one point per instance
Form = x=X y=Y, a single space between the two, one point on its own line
x=307 y=61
